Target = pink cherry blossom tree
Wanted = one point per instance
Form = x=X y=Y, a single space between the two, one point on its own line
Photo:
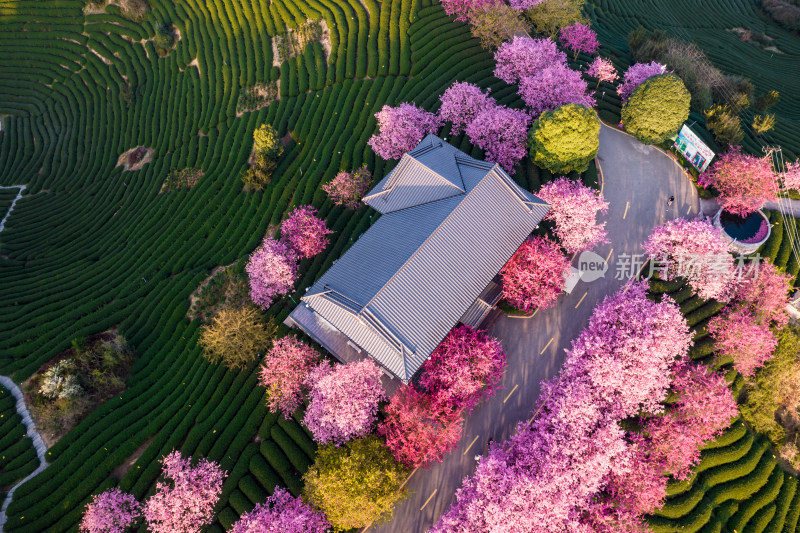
x=574 y=208
x=579 y=38
x=694 y=250
x=185 y=499
x=282 y=513
x=766 y=295
x=284 y=371
x=603 y=70
x=306 y=234
x=343 y=400
x=462 y=8
x=704 y=408
x=502 y=134
x=112 y=511
x=745 y=182
x=738 y=334
x=272 y=270
x=636 y=75
x=419 y=428
x=347 y=188
x=461 y=102
x=465 y=368
x=552 y=87
x=400 y=129
x=523 y=5
x=535 y=274
x=524 y=56
x=791 y=176
x=628 y=350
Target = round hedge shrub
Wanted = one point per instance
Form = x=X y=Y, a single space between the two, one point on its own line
x=656 y=109
x=565 y=139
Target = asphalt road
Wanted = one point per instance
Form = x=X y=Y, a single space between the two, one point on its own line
x=638 y=180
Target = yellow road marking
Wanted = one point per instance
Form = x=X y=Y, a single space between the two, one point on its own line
x=429 y=499
x=470 y=445
x=546 y=345
x=689 y=210
x=609 y=255
x=627 y=205
x=534 y=312
x=510 y=393
x=581 y=300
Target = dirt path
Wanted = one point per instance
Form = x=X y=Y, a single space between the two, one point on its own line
x=11 y=207
x=38 y=443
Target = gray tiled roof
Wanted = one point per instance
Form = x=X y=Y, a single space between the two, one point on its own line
x=450 y=224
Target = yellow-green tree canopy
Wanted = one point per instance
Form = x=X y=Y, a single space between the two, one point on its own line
x=235 y=337
x=355 y=484
x=565 y=139
x=266 y=142
x=656 y=109
x=552 y=15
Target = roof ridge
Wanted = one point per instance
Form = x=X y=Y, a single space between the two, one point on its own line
x=435 y=231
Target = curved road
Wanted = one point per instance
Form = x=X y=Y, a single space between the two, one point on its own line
x=638 y=180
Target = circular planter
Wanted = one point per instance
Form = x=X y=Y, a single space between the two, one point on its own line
x=740 y=232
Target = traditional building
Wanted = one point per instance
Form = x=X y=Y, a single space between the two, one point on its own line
x=448 y=225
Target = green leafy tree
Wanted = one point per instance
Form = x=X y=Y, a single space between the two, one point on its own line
x=259 y=175
x=552 y=15
x=266 y=142
x=235 y=336
x=494 y=24
x=565 y=139
x=355 y=484
x=724 y=122
x=656 y=109
x=773 y=394
x=767 y=100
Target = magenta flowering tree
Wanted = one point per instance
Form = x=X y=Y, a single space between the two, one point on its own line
x=185 y=500
x=462 y=8
x=272 y=270
x=347 y=188
x=524 y=56
x=112 y=511
x=304 y=232
x=603 y=70
x=580 y=38
x=738 y=334
x=284 y=371
x=282 y=513
x=745 y=182
x=465 y=368
x=400 y=129
x=552 y=87
x=636 y=75
x=420 y=428
x=574 y=209
x=502 y=134
x=343 y=400
x=694 y=250
x=535 y=274
x=461 y=103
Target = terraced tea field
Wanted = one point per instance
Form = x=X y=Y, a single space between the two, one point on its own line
x=91 y=246
x=709 y=24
